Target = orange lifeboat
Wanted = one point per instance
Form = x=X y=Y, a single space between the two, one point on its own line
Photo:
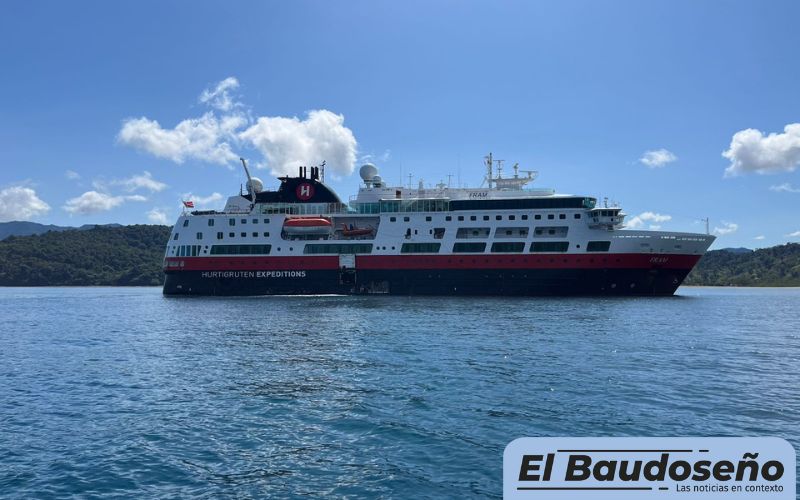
x=356 y=231
x=307 y=225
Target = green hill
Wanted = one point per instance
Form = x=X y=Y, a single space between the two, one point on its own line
x=132 y=255
x=774 y=266
x=125 y=255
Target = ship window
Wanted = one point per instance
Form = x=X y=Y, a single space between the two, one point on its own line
x=469 y=247
x=219 y=235
x=185 y=222
x=551 y=232
x=562 y=216
x=472 y=232
x=460 y=217
x=244 y=221
x=175 y=237
x=525 y=217
x=244 y=235
x=538 y=216
x=266 y=221
x=231 y=222
x=428 y=219
x=549 y=246
x=231 y=235
x=551 y=216
x=512 y=217
x=598 y=246
x=448 y=218
x=473 y=217
x=266 y=235
x=498 y=217
x=342 y=248
x=255 y=234
x=420 y=247
x=406 y=219
x=392 y=219
x=508 y=247
x=485 y=217
x=255 y=221
x=240 y=249
x=199 y=236
x=211 y=222
x=438 y=232
x=577 y=216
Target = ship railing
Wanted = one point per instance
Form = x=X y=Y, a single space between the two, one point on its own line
x=303 y=208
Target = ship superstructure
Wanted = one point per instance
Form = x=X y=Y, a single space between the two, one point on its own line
x=500 y=239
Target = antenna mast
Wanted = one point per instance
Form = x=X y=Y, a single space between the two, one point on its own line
x=489 y=163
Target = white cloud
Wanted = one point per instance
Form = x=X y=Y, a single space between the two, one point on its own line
x=795 y=234
x=92 y=202
x=284 y=142
x=206 y=138
x=20 y=203
x=157 y=216
x=203 y=201
x=220 y=97
x=727 y=228
x=287 y=143
x=72 y=175
x=657 y=158
x=645 y=217
x=751 y=151
x=759 y=237
x=140 y=181
x=784 y=188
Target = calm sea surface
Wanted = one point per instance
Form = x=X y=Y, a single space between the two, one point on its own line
x=122 y=391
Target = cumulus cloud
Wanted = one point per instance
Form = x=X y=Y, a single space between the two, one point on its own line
x=795 y=234
x=20 y=203
x=220 y=96
x=751 y=151
x=287 y=143
x=72 y=175
x=206 y=138
x=657 y=158
x=727 y=228
x=784 y=188
x=92 y=202
x=647 y=217
x=284 y=142
x=203 y=201
x=142 y=181
x=157 y=216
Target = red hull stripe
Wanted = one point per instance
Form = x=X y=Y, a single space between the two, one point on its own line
x=507 y=261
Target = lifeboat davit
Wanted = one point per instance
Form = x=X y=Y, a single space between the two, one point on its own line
x=307 y=225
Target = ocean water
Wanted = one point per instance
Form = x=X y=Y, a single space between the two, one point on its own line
x=122 y=391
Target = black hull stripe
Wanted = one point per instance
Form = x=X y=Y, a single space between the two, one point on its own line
x=527 y=282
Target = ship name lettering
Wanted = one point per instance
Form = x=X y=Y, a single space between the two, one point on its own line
x=482 y=194
x=253 y=274
x=659 y=260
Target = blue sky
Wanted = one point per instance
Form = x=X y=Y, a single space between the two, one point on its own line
x=103 y=116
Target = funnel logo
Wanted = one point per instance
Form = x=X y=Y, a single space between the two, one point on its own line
x=649 y=468
x=304 y=191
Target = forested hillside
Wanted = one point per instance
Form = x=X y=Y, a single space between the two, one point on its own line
x=774 y=266
x=125 y=255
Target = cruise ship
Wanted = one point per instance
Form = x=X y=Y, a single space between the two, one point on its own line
x=503 y=238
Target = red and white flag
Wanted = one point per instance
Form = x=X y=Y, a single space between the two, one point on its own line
x=188 y=204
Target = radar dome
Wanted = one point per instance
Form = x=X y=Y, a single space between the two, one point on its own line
x=255 y=185
x=377 y=180
x=368 y=171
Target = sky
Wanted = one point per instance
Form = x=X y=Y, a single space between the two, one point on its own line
x=677 y=110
